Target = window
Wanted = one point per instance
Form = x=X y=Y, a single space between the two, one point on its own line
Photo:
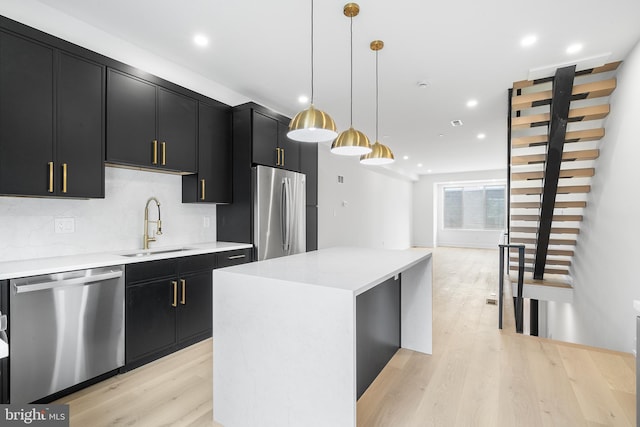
x=474 y=207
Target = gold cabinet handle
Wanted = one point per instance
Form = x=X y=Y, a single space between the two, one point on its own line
x=164 y=153
x=64 y=177
x=175 y=293
x=183 y=300
x=278 y=160
x=154 y=160
x=236 y=257
x=50 y=177
x=202 y=185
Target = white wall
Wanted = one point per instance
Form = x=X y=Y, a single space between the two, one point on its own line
x=605 y=273
x=369 y=209
x=109 y=224
x=425 y=217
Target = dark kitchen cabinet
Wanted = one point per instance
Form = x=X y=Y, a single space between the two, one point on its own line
x=270 y=144
x=309 y=167
x=212 y=183
x=167 y=306
x=230 y=258
x=149 y=126
x=51 y=121
x=312 y=228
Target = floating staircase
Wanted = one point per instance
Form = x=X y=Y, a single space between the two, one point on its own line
x=555 y=125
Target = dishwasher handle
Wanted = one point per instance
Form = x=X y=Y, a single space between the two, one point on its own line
x=55 y=284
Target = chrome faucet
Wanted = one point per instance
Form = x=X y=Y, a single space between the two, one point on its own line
x=146 y=239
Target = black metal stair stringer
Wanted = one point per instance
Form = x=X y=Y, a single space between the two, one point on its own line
x=560 y=102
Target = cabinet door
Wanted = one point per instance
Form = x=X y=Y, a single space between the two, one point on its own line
x=312 y=228
x=194 y=312
x=309 y=167
x=150 y=318
x=289 y=149
x=26 y=116
x=131 y=120
x=177 y=130
x=213 y=181
x=80 y=130
x=265 y=140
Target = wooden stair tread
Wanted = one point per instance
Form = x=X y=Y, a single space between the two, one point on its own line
x=554 y=230
x=567 y=156
x=594 y=112
x=550 y=261
x=558 y=205
x=555 y=242
x=553 y=252
x=549 y=270
x=529 y=280
x=611 y=66
x=573 y=136
x=564 y=173
x=570 y=189
x=536 y=218
x=581 y=91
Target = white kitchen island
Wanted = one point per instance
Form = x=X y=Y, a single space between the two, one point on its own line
x=284 y=332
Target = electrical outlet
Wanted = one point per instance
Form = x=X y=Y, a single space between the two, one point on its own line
x=206 y=221
x=65 y=225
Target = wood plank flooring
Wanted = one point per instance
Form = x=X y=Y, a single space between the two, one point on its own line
x=477 y=375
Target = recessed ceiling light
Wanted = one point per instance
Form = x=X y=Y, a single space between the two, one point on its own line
x=441 y=135
x=481 y=136
x=429 y=171
x=529 y=40
x=200 y=40
x=472 y=103
x=405 y=157
x=456 y=123
x=574 y=48
x=303 y=99
x=419 y=165
x=423 y=84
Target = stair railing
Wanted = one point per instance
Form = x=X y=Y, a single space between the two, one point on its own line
x=519 y=303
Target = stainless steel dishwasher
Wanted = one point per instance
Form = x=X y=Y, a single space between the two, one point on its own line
x=65 y=328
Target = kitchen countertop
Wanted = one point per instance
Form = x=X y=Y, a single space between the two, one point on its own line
x=37 y=266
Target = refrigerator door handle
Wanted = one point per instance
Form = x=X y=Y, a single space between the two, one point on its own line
x=283 y=215
x=289 y=215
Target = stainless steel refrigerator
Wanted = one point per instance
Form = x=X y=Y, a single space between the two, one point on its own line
x=279 y=199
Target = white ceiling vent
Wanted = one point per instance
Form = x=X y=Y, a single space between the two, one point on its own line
x=456 y=123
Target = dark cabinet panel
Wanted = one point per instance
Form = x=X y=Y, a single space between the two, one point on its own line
x=312 y=228
x=213 y=182
x=377 y=330
x=289 y=149
x=177 y=130
x=195 y=305
x=80 y=132
x=229 y=258
x=51 y=121
x=131 y=120
x=150 y=318
x=265 y=140
x=309 y=167
x=149 y=126
x=26 y=116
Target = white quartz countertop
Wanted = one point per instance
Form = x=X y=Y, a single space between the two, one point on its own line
x=37 y=266
x=349 y=268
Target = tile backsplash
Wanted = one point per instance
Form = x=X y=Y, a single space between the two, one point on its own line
x=27 y=225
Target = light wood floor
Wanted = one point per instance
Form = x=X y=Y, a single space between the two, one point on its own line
x=477 y=375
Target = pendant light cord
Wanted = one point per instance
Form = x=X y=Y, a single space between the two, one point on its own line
x=311 y=52
x=377 y=103
x=351 y=33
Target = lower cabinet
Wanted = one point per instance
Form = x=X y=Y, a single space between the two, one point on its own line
x=168 y=304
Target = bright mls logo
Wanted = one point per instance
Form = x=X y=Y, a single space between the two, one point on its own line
x=35 y=415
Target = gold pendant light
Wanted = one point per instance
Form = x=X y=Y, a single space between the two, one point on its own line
x=380 y=153
x=312 y=125
x=351 y=142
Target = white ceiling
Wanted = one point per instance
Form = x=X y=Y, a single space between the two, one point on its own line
x=464 y=49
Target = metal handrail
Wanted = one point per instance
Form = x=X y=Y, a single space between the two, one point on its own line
x=519 y=298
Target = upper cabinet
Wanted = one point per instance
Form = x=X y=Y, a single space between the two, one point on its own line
x=150 y=126
x=51 y=121
x=270 y=144
x=212 y=183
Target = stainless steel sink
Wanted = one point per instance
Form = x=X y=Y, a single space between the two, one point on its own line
x=149 y=252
